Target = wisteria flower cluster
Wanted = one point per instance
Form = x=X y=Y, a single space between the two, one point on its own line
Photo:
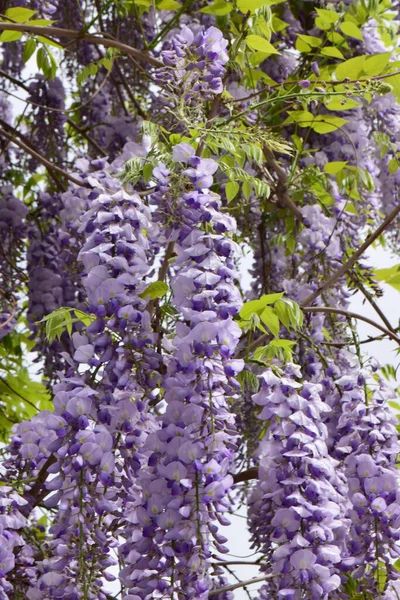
x=12 y=234
x=162 y=144
x=195 y=63
x=186 y=482
x=297 y=510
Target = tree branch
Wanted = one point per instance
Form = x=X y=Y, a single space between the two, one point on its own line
x=353 y=259
x=268 y=88
x=371 y=300
x=281 y=188
x=46 y=163
x=235 y=586
x=40 y=479
x=353 y=315
x=366 y=341
x=331 y=309
x=131 y=95
x=236 y=562
x=12 y=315
x=87 y=137
x=251 y=473
x=80 y=36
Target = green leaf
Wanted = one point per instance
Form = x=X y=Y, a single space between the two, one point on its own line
x=41 y=22
x=253 y=152
x=231 y=190
x=335 y=38
x=49 y=42
x=381 y=575
x=21 y=398
x=46 y=62
x=282 y=310
x=85 y=318
x=304 y=43
x=281 y=343
x=327 y=124
x=310 y=40
x=29 y=49
x=271 y=298
x=20 y=14
x=300 y=116
x=107 y=63
x=332 y=51
x=393 y=165
x=391 y=275
x=285 y=345
x=328 y=16
x=270 y=320
x=219 y=9
x=248 y=381
x=289 y=313
x=335 y=166
x=256 y=42
x=250 y=5
x=351 y=68
x=250 y=308
x=169 y=5
x=157 y=289
x=395 y=83
x=61 y=320
x=351 y=30
x=257 y=306
x=376 y=64
x=336 y=103
x=278 y=25
x=147 y=172
x=10 y=36
x=246 y=188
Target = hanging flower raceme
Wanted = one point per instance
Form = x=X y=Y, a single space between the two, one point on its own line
x=367 y=442
x=92 y=440
x=297 y=510
x=47 y=131
x=195 y=63
x=184 y=489
x=7 y=152
x=51 y=283
x=11 y=523
x=12 y=234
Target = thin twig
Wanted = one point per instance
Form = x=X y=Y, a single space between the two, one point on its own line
x=331 y=309
x=80 y=36
x=40 y=479
x=12 y=315
x=353 y=259
x=5 y=382
x=24 y=140
x=162 y=273
x=371 y=300
x=131 y=96
x=352 y=315
x=267 y=88
x=89 y=139
x=251 y=473
x=235 y=586
x=236 y=562
x=366 y=341
x=51 y=108
x=281 y=188
x=46 y=163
